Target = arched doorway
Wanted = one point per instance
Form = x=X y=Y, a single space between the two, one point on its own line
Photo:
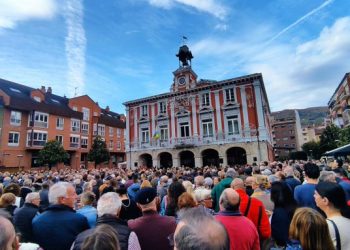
x=236 y=156
x=165 y=160
x=210 y=157
x=186 y=159
x=145 y=160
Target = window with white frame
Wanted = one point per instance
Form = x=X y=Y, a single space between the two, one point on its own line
x=206 y=99
x=111 y=131
x=75 y=108
x=59 y=138
x=162 y=108
x=85 y=128
x=75 y=125
x=118 y=132
x=207 y=126
x=74 y=141
x=13 y=139
x=59 y=123
x=86 y=114
x=184 y=129
x=111 y=144
x=119 y=146
x=101 y=129
x=144 y=109
x=41 y=120
x=144 y=135
x=229 y=95
x=15 y=118
x=163 y=132
x=232 y=125
x=38 y=138
x=84 y=142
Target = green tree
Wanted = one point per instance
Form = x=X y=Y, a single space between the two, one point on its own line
x=344 y=136
x=52 y=153
x=312 y=149
x=98 y=152
x=330 y=138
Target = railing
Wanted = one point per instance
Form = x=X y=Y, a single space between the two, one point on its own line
x=40 y=124
x=74 y=145
x=36 y=143
x=85 y=132
x=84 y=146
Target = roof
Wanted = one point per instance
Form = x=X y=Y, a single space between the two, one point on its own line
x=344 y=150
x=111 y=119
x=20 y=99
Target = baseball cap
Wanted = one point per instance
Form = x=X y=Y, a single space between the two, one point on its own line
x=145 y=195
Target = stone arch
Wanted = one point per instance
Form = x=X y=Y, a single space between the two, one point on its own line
x=210 y=157
x=187 y=158
x=236 y=156
x=145 y=160
x=165 y=160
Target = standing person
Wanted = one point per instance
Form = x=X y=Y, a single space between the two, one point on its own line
x=290 y=178
x=7 y=203
x=225 y=183
x=87 y=199
x=103 y=237
x=23 y=216
x=309 y=231
x=8 y=239
x=44 y=196
x=129 y=209
x=304 y=194
x=67 y=223
x=175 y=190
x=330 y=198
x=152 y=229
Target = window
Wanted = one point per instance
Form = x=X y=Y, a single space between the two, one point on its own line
x=111 y=144
x=286 y=145
x=41 y=120
x=85 y=128
x=86 y=114
x=163 y=132
x=144 y=110
x=15 y=118
x=59 y=123
x=232 y=125
x=207 y=126
x=101 y=129
x=118 y=132
x=184 y=129
x=84 y=142
x=59 y=138
x=205 y=99
x=36 y=138
x=229 y=95
x=75 y=125
x=144 y=135
x=74 y=141
x=13 y=139
x=110 y=131
x=37 y=98
x=15 y=90
x=75 y=108
x=119 y=145
x=162 y=108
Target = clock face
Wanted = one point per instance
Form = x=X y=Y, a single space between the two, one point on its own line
x=182 y=80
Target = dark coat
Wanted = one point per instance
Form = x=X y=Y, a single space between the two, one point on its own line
x=119 y=225
x=44 y=199
x=22 y=221
x=153 y=230
x=57 y=227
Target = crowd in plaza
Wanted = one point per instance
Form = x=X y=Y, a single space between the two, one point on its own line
x=289 y=205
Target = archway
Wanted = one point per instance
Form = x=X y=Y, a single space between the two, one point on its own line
x=236 y=156
x=210 y=157
x=186 y=159
x=165 y=160
x=145 y=160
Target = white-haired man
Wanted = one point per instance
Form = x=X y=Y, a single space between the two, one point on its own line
x=58 y=226
x=108 y=208
x=23 y=216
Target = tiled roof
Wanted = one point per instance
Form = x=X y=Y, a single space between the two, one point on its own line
x=112 y=119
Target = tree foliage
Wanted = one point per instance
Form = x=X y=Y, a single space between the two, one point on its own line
x=52 y=153
x=298 y=155
x=312 y=149
x=330 y=138
x=98 y=152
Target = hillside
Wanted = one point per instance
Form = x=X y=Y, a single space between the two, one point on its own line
x=314 y=115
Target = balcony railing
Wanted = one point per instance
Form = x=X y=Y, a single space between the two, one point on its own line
x=84 y=146
x=40 y=124
x=74 y=145
x=36 y=143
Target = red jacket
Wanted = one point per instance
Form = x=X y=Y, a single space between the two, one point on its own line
x=264 y=229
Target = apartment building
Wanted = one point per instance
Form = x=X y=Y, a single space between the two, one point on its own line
x=200 y=122
x=30 y=117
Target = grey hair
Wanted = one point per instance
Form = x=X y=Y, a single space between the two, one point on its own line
x=227 y=204
x=199 y=180
x=202 y=194
x=201 y=232
x=27 y=182
x=58 y=190
x=327 y=176
x=32 y=196
x=109 y=203
x=230 y=173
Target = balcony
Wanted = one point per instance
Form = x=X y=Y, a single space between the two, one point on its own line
x=346 y=116
x=74 y=145
x=85 y=132
x=84 y=146
x=36 y=144
x=40 y=124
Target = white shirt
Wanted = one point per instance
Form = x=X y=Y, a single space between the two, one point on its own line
x=343 y=225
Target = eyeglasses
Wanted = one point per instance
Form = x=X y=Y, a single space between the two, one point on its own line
x=171 y=240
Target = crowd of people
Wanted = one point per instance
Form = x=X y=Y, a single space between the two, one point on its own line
x=269 y=205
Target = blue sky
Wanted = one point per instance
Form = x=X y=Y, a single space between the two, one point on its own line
x=120 y=50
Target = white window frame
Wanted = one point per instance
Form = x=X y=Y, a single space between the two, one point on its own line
x=119 y=145
x=101 y=129
x=144 y=110
x=162 y=107
x=234 y=120
x=84 y=141
x=39 y=119
x=86 y=114
x=60 y=123
x=59 y=138
x=230 y=95
x=111 y=131
x=164 y=132
x=15 y=118
x=207 y=128
x=13 y=142
x=183 y=132
x=145 y=135
x=76 y=140
x=111 y=144
x=75 y=125
x=85 y=128
x=41 y=136
x=118 y=132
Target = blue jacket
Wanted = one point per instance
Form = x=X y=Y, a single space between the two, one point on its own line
x=57 y=227
x=90 y=213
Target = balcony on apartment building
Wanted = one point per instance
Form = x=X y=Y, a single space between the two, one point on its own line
x=346 y=115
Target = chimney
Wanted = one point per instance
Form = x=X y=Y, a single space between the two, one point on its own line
x=43 y=89
x=49 y=90
x=107 y=108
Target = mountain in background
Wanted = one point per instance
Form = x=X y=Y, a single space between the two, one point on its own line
x=314 y=115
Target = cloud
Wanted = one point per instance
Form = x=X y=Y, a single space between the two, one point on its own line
x=75 y=44
x=212 y=7
x=221 y=26
x=13 y=11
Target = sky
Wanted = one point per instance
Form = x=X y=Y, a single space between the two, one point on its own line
x=120 y=50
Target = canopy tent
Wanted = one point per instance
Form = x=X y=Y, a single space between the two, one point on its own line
x=341 y=151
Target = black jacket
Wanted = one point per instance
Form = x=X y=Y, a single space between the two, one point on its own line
x=119 y=225
x=23 y=221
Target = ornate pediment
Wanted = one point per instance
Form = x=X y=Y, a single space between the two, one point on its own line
x=205 y=109
x=230 y=105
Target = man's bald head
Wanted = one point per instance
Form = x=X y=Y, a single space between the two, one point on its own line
x=229 y=200
x=237 y=183
x=7 y=233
